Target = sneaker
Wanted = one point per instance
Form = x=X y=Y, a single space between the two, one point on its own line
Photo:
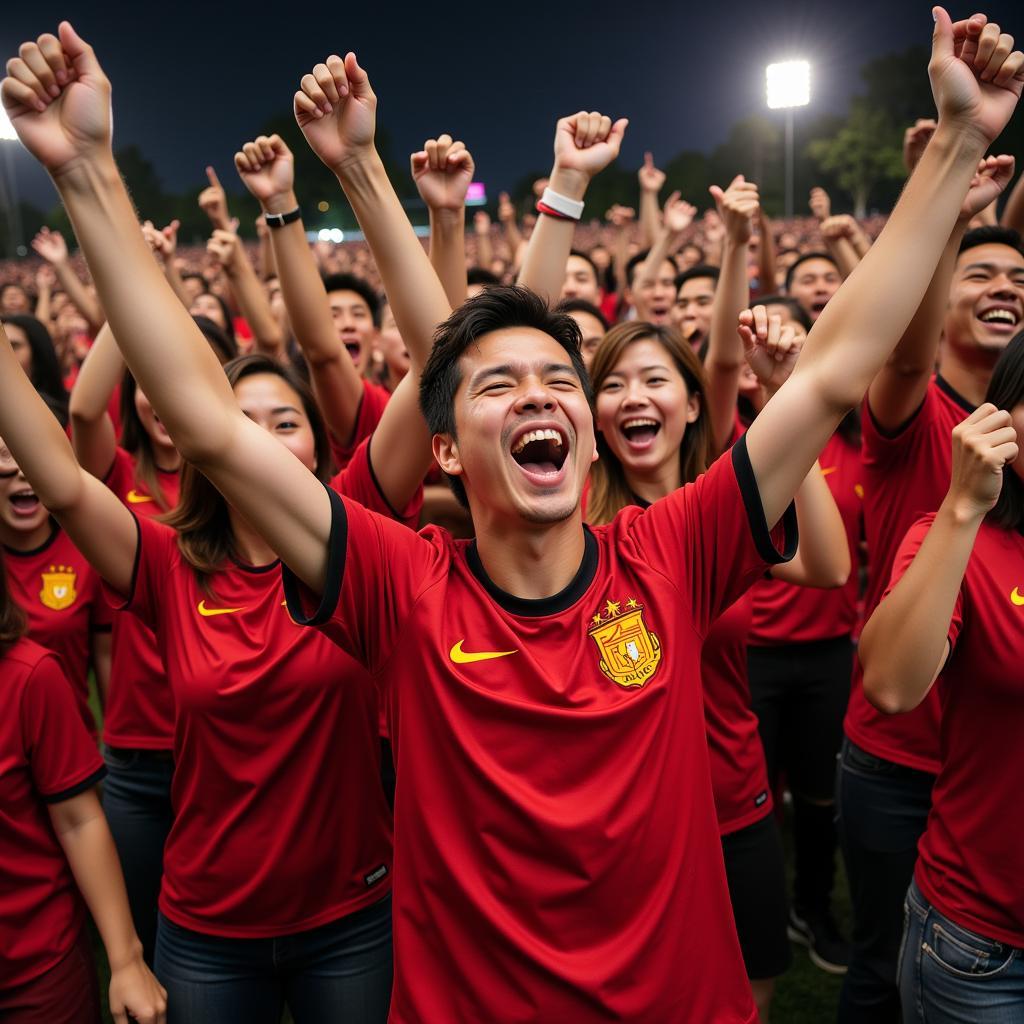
x=828 y=950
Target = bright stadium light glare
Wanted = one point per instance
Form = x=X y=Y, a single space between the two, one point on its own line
x=7 y=132
x=789 y=84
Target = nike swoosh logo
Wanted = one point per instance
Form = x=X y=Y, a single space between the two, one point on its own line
x=207 y=612
x=134 y=498
x=1016 y=597
x=828 y=469
x=461 y=657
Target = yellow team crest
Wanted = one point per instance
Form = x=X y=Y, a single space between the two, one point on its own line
x=58 y=590
x=630 y=652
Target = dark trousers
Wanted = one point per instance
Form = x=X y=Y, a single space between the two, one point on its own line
x=137 y=803
x=882 y=812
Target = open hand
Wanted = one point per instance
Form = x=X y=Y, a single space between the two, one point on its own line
x=737 y=207
x=50 y=245
x=337 y=111
x=266 y=167
x=678 y=214
x=442 y=171
x=58 y=99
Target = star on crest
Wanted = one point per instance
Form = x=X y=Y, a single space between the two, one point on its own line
x=597 y=619
x=612 y=608
x=631 y=603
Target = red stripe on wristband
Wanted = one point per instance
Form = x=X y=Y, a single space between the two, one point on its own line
x=543 y=207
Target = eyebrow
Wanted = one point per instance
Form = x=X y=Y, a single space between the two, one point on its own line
x=508 y=370
x=993 y=268
x=284 y=408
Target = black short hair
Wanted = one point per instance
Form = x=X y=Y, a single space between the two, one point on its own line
x=593 y=265
x=635 y=261
x=194 y=275
x=798 y=313
x=695 y=272
x=1006 y=390
x=492 y=310
x=804 y=257
x=229 y=320
x=362 y=288
x=582 y=306
x=46 y=375
x=482 y=276
x=219 y=341
x=992 y=234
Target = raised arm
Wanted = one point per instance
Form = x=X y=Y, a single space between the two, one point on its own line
x=652 y=180
x=766 y=255
x=507 y=219
x=164 y=243
x=52 y=247
x=70 y=135
x=838 y=232
x=737 y=206
x=92 y=432
x=977 y=79
x=213 y=201
x=678 y=216
x=100 y=526
x=898 y=389
x=584 y=145
x=482 y=231
x=443 y=170
x=904 y=644
x=45 y=280
x=227 y=249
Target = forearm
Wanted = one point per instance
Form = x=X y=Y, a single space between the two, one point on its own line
x=548 y=250
x=43 y=306
x=650 y=218
x=417 y=298
x=253 y=305
x=724 y=360
x=823 y=556
x=448 y=252
x=620 y=257
x=860 y=241
x=844 y=254
x=484 y=249
x=173 y=278
x=268 y=265
x=92 y=433
x=903 y=645
x=1013 y=212
x=766 y=263
x=513 y=236
x=79 y=295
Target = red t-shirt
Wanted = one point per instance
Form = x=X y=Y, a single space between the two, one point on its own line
x=371 y=408
x=557 y=849
x=787 y=614
x=46 y=756
x=60 y=593
x=969 y=857
x=140 y=707
x=906 y=476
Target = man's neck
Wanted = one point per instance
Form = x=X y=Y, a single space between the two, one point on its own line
x=533 y=562
x=969 y=379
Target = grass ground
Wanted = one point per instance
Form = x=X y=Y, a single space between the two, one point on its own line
x=804 y=994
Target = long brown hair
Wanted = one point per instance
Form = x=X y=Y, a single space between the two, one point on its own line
x=205 y=537
x=609 y=490
x=12 y=618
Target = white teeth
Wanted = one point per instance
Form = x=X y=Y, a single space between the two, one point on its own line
x=642 y=422
x=537 y=435
x=1005 y=316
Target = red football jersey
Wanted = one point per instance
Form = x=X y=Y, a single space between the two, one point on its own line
x=969 y=857
x=787 y=614
x=557 y=849
x=906 y=476
x=140 y=709
x=46 y=755
x=60 y=593
x=371 y=408
x=359 y=482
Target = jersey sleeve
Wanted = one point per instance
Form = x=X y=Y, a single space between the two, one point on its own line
x=62 y=756
x=371 y=408
x=908 y=549
x=157 y=547
x=376 y=571
x=358 y=481
x=120 y=477
x=888 y=449
x=711 y=538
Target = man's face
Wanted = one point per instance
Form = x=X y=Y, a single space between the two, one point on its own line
x=354 y=323
x=692 y=310
x=986 y=301
x=592 y=331
x=524 y=430
x=580 y=281
x=654 y=300
x=814 y=283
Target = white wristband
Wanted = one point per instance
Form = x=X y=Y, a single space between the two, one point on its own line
x=571 y=208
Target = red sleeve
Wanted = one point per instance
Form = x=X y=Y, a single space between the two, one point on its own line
x=908 y=548
x=157 y=549
x=358 y=481
x=61 y=754
x=120 y=477
x=710 y=537
x=884 y=449
x=371 y=408
x=376 y=571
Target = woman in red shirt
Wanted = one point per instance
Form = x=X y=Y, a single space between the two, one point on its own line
x=952 y=618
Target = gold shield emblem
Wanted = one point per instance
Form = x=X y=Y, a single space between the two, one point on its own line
x=58 y=590
x=630 y=652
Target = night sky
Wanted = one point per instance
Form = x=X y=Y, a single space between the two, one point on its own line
x=194 y=80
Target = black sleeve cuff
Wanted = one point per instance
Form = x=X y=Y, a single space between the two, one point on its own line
x=376 y=483
x=755 y=510
x=86 y=784
x=130 y=596
x=337 y=546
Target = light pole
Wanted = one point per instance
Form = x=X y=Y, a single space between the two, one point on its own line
x=8 y=137
x=789 y=86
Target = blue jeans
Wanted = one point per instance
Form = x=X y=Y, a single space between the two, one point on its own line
x=881 y=812
x=137 y=802
x=339 y=972
x=949 y=975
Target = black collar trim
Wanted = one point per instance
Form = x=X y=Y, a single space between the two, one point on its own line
x=943 y=385
x=15 y=553
x=537 y=607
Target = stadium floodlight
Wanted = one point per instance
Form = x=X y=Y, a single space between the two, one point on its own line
x=789 y=86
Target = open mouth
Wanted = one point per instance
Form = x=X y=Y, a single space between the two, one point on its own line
x=640 y=432
x=817 y=307
x=24 y=503
x=540 y=452
x=1000 y=317
x=353 y=349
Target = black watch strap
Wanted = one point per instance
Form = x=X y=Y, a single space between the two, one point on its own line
x=278 y=220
